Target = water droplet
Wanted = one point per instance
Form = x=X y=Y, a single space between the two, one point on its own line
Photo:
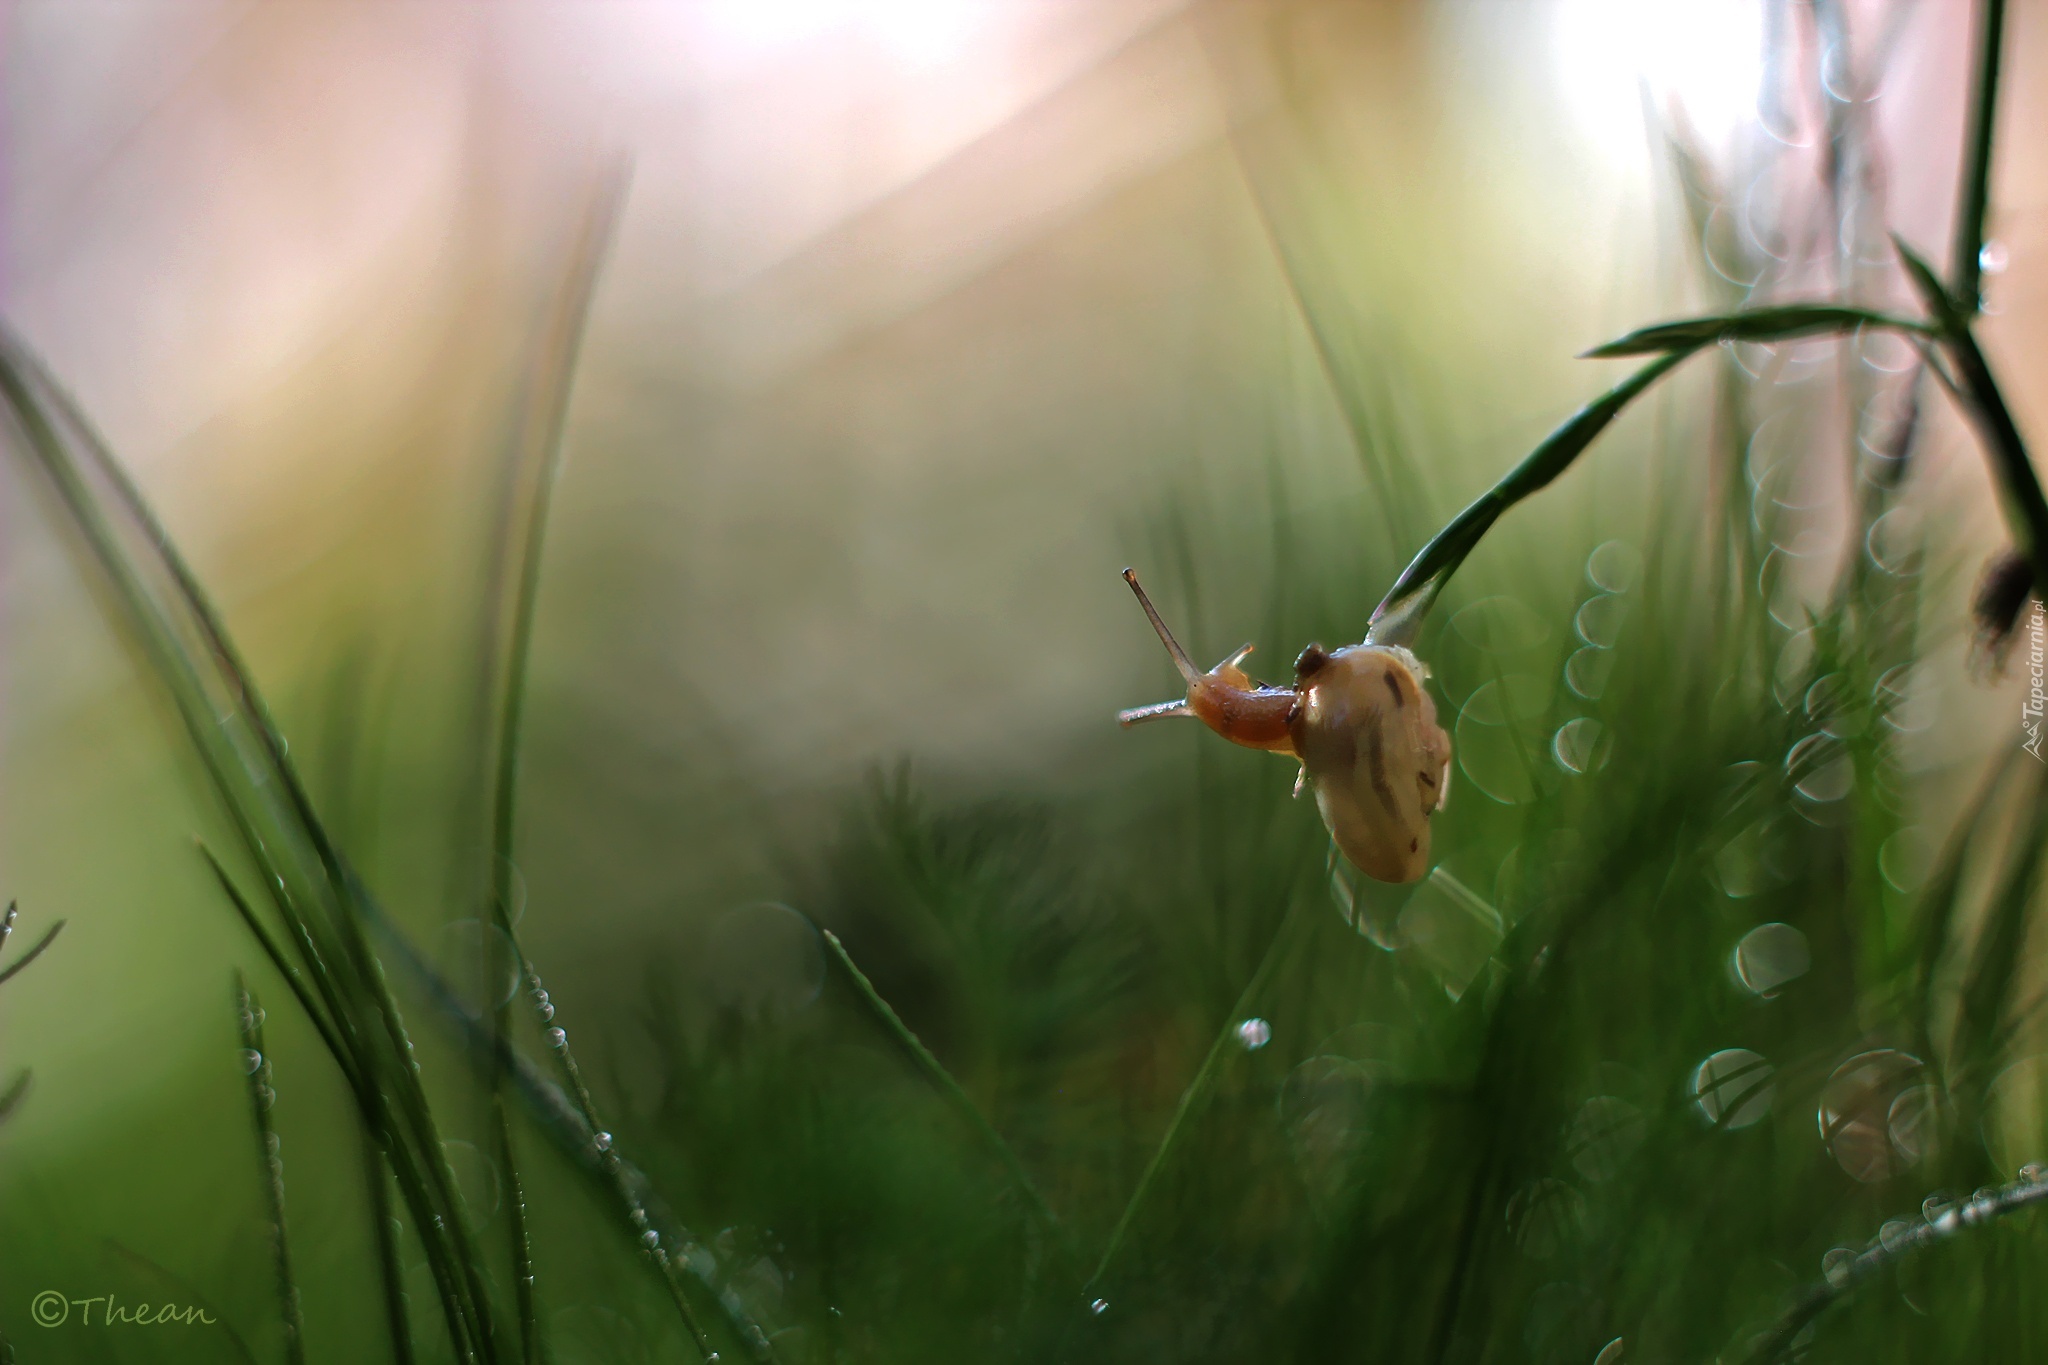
x=1099 y=1307
x=1581 y=746
x=1905 y=859
x=1605 y=1133
x=1769 y=957
x=1892 y=1236
x=476 y=1177
x=1600 y=620
x=557 y=1038
x=1837 y=1266
x=1254 y=1034
x=1588 y=670
x=650 y=1239
x=1893 y=542
x=1935 y=1206
x=252 y=1061
x=1614 y=566
x=639 y=1217
x=2032 y=1172
x=1984 y=1195
x=1914 y=1122
x=546 y=1011
x=1545 y=1217
x=1855 y=1114
x=764 y=960
x=601 y=1141
x=2015 y=1114
x=1733 y=1088
x=1323 y=1107
x=1820 y=770
x=1993 y=258
x=1904 y=700
x=480 y=962
x=1500 y=625
x=1610 y=1354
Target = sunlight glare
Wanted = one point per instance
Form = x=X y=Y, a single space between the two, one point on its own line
x=1704 y=56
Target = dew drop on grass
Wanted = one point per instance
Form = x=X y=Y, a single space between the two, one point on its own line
x=2014 y=1121
x=1733 y=1088
x=764 y=960
x=1254 y=1034
x=1604 y=1134
x=1819 y=770
x=1614 y=566
x=476 y=1177
x=1914 y=1122
x=1581 y=746
x=1893 y=542
x=2032 y=1172
x=1993 y=258
x=1600 y=619
x=650 y=1239
x=1769 y=957
x=480 y=963
x=1905 y=858
x=1855 y=1114
x=252 y=1061
x=1099 y=1307
x=1837 y=1266
x=1500 y=625
x=1588 y=670
x=601 y=1141
x=557 y=1038
x=1545 y=1218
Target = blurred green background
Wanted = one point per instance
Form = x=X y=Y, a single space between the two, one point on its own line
x=922 y=320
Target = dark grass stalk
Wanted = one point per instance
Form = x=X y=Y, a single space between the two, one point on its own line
x=1974 y=204
x=188 y=1292
x=390 y=1274
x=261 y=1095
x=34 y=952
x=11 y=1099
x=2025 y=506
x=1979 y=1210
x=619 y=1175
x=537 y=450
x=1192 y=1098
x=942 y=1081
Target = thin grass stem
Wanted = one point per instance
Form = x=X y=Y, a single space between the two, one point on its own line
x=943 y=1081
x=1192 y=1097
x=261 y=1096
x=1973 y=206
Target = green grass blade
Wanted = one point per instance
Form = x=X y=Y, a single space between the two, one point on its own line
x=942 y=1080
x=1191 y=1098
x=1974 y=205
x=261 y=1095
x=1779 y=323
x=2025 y=507
x=1399 y=614
x=34 y=952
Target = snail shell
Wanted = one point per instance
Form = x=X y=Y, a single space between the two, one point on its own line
x=1373 y=754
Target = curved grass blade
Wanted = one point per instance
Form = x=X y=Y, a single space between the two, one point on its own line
x=244 y=758
x=2021 y=487
x=1399 y=615
x=49 y=937
x=1778 y=323
x=534 y=455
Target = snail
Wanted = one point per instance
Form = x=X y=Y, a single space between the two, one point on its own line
x=1359 y=722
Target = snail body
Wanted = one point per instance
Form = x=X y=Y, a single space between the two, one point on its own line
x=1359 y=721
